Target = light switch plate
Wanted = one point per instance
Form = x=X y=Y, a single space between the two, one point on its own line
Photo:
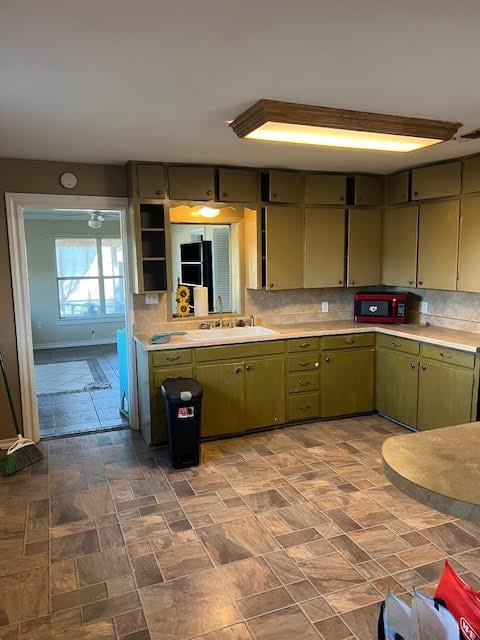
x=151 y=298
x=324 y=306
x=423 y=306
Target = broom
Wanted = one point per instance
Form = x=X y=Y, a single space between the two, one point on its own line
x=23 y=452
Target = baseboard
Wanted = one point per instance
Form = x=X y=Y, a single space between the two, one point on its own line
x=74 y=343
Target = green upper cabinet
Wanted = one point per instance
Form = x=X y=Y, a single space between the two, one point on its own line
x=325 y=188
x=223 y=397
x=397 y=187
x=369 y=190
x=364 y=247
x=399 y=246
x=324 y=248
x=264 y=392
x=286 y=186
x=191 y=183
x=151 y=181
x=397 y=386
x=347 y=381
x=471 y=175
x=444 y=395
x=284 y=247
x=438 y=245
x=238 y=185
x=469 y=245
x=437 y=181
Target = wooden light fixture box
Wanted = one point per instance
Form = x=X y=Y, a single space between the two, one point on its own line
x=309 y=124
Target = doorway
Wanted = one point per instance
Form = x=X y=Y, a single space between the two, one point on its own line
x=72 y=303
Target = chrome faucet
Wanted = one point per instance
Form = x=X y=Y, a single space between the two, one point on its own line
x=219 y=303
x=251 y=320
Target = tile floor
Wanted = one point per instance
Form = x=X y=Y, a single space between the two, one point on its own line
x=293 y=533
x=67 y=413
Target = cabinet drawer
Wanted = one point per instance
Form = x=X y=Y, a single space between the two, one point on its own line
x=303 y=362
x=449 y=356
x=302 y=344
x=398 y=344
x=179 y=356
x=160 y=375
x=324 y=188
x=303 y=407
x=348 y=341
x=238 y=185
x=239 y=351
x=303 y=381
x=437 y=181
x=151 y=180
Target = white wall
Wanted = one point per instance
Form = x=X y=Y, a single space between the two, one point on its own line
x=40 y=242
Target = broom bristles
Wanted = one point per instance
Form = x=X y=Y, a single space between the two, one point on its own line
x=19 y=459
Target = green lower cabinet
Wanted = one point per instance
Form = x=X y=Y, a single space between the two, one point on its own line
x=264 y=392
x=444 y=395
x=347 y=382
x=158 y=427
x=303 y=406
x=397 y=386
x=223 y=398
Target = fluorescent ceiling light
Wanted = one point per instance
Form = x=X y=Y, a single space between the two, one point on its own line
x=274 y=121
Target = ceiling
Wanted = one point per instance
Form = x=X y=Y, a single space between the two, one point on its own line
x=108 y=81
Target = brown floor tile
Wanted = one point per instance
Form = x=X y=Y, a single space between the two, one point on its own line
x=131 y=622
x=301 y=591
x=182 y=561
x=363 y=622
x=283 y=625
x=265 y=501
x=81 y=506
x=284 y=567
x=421 y=555
x=298 y=537
x=236 y=632
x=333 y=629
x=236 y=540
x=247 y=577
x=330 y=573
x=144 y=528
x=317 y=609
x=24 y=596
x=96 y=631
x=110 y=607
x=105 y=565
x=302 y=516
x=74 y=545
x=79 y=597
x=354 y=598
x=349 y=550
x=451 y=538
x=379 y=541
x=63 y=577
x=119 y=586
x=146 y=571
x=264 y=602
x=342 y=520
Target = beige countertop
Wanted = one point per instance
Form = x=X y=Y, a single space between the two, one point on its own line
x=439 y=468
x=433 y=335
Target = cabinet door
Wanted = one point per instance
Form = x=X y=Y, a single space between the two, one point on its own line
x=369 y=190
x=399 y=246
x=286 y=186
x=437 y=181
x=347 y=382
x=158 y=426
x=151 y=180
x=191 y=183
x=444 y=395
x=438 y=245
x=324 y=188
x=238 y=185
x=223 y=398
x=471 y=175
x=264 y=392
x=284 y=247
x=397 y=386
x=468 y=246
x=397 y=187
x=324 y=248
x=364 y=247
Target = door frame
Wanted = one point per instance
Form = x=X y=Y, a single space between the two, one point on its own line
x=15 y=205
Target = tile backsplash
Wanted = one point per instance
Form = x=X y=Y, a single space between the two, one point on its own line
x=452 y=309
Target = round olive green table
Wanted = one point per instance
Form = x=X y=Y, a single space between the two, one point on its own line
x=439 y=468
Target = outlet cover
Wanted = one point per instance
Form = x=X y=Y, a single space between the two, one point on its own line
x=151 y=298
x=423 y=306
x=324 y=307
x=39 y=324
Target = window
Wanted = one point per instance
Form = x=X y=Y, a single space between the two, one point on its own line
x=89 y=277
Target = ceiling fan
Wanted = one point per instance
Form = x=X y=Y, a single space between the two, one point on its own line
x=96 y=220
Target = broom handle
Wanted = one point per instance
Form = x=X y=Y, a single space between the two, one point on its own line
x=9 y=396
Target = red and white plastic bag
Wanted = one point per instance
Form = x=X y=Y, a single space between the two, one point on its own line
x=461 y=600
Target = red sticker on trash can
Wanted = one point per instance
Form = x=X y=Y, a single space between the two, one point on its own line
x=185 y=412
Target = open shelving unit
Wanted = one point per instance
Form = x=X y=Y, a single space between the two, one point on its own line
x=152 y=218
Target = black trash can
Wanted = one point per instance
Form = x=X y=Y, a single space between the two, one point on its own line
x=183 y=405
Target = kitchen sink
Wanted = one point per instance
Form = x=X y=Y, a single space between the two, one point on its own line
x=222 y=333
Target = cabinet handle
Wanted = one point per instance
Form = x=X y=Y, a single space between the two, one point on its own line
x=327 y=359
x=342 y=198
x=238 y=369
x=248 y=367
x=340 y=282
x=275 y=419
x=413 y=365
x=224 y=194
x=396 y=344
x=420 y=282
x=274 y=195
x=447 y=356
x=159 y=192
x=410 y=282
x=424 y=367
x=317 y=364
x=304 y=364
x=303 y=383
x=352 y=282
x=271 y=285
x=304 y=407
x=349 y=341
x=415 y=193
x=209 y=193
x=172 y=358
x=304 y=345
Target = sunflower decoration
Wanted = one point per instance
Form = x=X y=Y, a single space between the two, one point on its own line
x=182 y=296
